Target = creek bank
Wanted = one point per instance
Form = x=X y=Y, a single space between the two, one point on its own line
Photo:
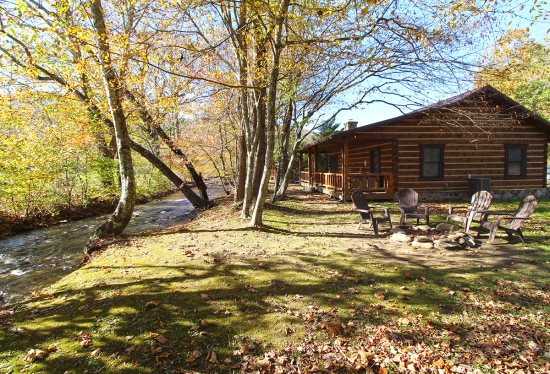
x=11 y=225
x=34 y=259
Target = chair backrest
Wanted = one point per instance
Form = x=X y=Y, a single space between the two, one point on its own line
x=360 y=201
x=526 y=208
x=408 y=198
x=481 y=200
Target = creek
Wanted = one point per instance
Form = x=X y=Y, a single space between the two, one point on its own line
x=34 y=259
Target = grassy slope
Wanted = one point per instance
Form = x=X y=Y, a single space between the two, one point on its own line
x=310 y=277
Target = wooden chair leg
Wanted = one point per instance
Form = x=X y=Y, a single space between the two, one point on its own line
x=492 y=234
x=428 y=220
x=375 y=227
x=520 y=234
x=389 y=220
x=468 y=223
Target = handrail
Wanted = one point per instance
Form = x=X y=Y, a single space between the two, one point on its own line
x=376 y=182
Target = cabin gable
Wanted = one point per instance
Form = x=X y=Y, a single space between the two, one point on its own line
x=482 y=135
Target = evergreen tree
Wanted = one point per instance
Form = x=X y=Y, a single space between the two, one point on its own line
x=328 y=128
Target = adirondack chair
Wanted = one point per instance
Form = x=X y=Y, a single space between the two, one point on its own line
x=367 y=212
x=481 y=200
x=514 y=222
x=408 y=205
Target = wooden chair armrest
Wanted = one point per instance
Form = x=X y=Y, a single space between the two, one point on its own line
x=495 y=212
x=386 y=210
x=508 y=218
x=452 y=208
x=501 y=218
x=363 y=210
x=486 y=213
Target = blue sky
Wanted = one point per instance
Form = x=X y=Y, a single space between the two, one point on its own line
x=378 y=111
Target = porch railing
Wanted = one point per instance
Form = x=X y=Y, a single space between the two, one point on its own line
x=373 y=182
x=329 y=180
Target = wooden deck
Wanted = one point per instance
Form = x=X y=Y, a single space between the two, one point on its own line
x=379 y=186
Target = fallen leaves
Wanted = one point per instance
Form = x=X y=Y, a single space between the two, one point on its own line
x=33 y=355
x=188 y=253
x=84 y=339
x=333 y=329
x=152 y=304
x=161 y=339
x=211 y=357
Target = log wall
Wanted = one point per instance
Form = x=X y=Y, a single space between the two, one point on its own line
x=359 y=157
x=470 y=147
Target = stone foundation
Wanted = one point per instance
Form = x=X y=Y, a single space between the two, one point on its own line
x=542 y=193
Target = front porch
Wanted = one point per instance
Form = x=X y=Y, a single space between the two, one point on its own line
x=338 y=170
x=379 y=186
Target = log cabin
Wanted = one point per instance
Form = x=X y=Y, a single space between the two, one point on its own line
x=481 y=139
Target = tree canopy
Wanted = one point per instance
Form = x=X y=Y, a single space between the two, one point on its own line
x=519 y=66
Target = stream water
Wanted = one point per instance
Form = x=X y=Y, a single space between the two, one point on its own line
x=34 y=259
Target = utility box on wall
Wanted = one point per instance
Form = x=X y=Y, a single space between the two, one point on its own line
x=478 y=184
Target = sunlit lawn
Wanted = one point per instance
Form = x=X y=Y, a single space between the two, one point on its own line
x=214 y=295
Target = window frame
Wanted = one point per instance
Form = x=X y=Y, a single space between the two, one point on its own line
x=371 y=164
x=523 y=161
x=332 y=160
x=440 y=175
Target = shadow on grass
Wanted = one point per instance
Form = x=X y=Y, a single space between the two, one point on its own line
x=121 y=316
x=248 y=297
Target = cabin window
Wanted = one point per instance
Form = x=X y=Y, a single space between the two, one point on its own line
x=333 y=163
x=305 y=161
x=374 y=161
x=516 y=160
x=431 y=161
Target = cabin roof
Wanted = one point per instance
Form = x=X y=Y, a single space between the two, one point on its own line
x=543 y=124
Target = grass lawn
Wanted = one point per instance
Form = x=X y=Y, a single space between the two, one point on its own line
x=307 y=292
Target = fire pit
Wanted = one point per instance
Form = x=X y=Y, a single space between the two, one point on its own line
x=426 y=237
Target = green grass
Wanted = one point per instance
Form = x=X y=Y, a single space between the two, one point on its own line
x=215 y=285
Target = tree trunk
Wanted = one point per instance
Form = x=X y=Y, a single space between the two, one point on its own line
x=280 y=192
x=284 y=141
x=118 y=220
x=250 y=167
x=148 y=120
x=261 y=150
x=193 y=198
x=256 y=219
x=241 y=166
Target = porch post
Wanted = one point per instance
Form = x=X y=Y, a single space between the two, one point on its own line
x=300 y=167
x=395 y=167
x=345 y=171
x=315 y=166
x=309 y=168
